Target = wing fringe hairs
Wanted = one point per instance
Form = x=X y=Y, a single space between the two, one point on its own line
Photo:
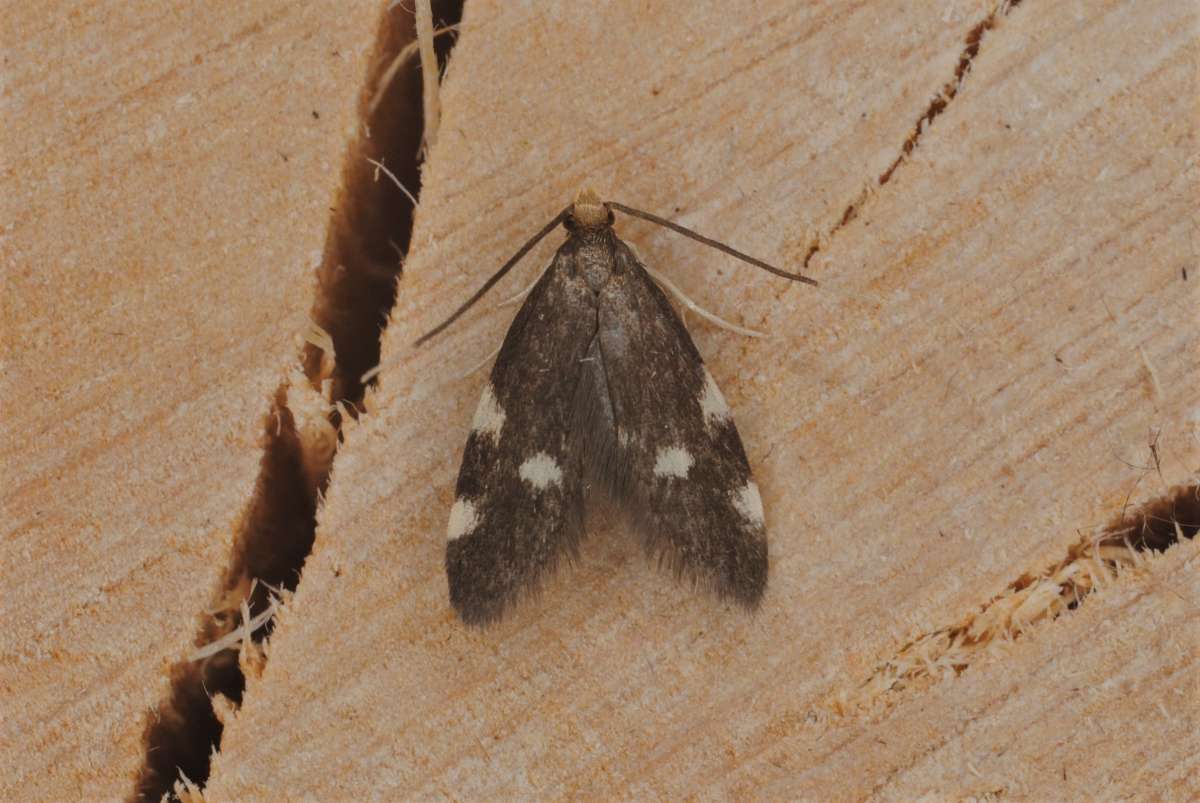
x=599 y=382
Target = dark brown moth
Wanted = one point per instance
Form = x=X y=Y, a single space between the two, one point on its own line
x=598 y=382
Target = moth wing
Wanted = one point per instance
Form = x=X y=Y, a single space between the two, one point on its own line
x=519 y=497
x=680 y=464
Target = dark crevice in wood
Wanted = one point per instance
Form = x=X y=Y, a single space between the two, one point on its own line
x=372 y=224
x=937 y=105
x=1033 y=599
x=369 y=232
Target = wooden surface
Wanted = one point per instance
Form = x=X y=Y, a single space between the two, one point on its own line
x=168 y=173
x=1002 y=330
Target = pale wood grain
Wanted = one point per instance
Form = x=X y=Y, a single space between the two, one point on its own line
x=962 y=396
x=918 y=445
x=166 y=196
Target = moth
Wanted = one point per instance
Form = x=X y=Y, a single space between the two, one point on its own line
x=598 y=383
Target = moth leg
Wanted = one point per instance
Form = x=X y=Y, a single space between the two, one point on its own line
x=699 y=310
x=481 y=363
x=514 y=299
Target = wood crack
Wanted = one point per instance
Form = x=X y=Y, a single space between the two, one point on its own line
x=368 y=234
x=1033 y=599
x=937 y=105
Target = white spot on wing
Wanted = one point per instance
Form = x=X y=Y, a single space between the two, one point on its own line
x=712 y=403
x=489 y=418
x=674 y=461
x=463 y=519
x=540 y=471
x=749 y=503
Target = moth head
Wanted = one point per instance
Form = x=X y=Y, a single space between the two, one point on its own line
x=589 y=212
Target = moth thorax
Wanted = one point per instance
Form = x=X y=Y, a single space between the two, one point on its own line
x=595 y=260
x=588 y=210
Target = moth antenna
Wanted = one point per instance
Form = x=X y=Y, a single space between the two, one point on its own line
x=711 y=243
x=497 y=276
